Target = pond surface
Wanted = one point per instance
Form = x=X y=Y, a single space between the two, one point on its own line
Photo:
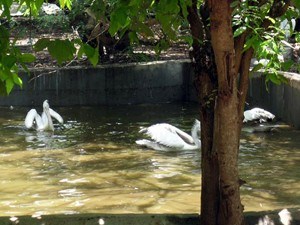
x=91 y=164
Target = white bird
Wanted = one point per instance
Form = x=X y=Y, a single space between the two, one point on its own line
x=285 y=217
x=167 y=137
x=44 y=122
x=256 y=120
x=257 y=114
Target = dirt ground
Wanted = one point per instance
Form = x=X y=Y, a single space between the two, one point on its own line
x=137 y=54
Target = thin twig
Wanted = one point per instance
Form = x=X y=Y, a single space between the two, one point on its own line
x=53 y=71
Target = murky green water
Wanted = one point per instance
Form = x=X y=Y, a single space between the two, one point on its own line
x=92 y=165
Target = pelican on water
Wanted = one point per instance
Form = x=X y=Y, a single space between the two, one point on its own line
x=167 y=137
x=256 y=120
x=44 y=122
x=258 y=115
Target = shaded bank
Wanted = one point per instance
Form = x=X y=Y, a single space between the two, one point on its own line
x=252 y=218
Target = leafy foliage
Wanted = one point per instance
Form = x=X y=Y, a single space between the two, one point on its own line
x=266 y=35
x=135 y=17
x=61 y=50
x=10 y=58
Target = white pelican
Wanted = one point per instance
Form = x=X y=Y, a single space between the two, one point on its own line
x=167 y=137
x=257 y=119
x=44 y=122
x=257 y=114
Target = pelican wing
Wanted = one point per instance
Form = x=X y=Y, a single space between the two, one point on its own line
x=167 y=135
x=151 y=144
x=32 y=116
x=56 y=116
x=184 y=136
x=29 y=119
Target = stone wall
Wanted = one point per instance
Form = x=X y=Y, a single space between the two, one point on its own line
x=165 y=81
x=156 y=82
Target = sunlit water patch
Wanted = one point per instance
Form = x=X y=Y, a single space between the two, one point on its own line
x=91 y=164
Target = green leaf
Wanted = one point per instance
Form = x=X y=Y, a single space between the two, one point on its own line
x=3 y=88
x=287 y=65
x=4 y=39
x=162 y=45
x=296 y=3
x=188 y=39
x=133 y=37
x=61 y=50
x=118 y=19
x=143 y=29
x=17 y=80
x=271 y=19
x=234 y=4
x=113 y=28
x=6 y=8
x=9 y=84
x=249 y=43
x=90 y=52
x=239 y=31
x=41 y=44
x=4 y=73
x=183 y=5
x=9 y=61
x=33 y=6
x=65 y=3
x=256 y=68
x=274 y=78
x=95 y=57
x=168 y=6
x=27 y=58
x=297 y=37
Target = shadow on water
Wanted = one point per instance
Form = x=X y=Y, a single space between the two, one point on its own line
x=91 y=164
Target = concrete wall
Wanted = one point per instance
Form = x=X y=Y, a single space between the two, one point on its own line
x=164 y=81
x=112 y=84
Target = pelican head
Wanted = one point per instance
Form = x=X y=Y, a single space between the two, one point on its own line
x=196 y=132
x=46 y=104
x=197 y=125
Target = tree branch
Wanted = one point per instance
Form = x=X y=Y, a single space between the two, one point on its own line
x=244 y=79
x=196 y=25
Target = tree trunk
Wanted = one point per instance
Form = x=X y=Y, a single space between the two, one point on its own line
x=222 y=97
x=227 y=119
x=220 y=116
x=205 y=84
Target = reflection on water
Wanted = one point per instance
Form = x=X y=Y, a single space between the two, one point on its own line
x=91 y=164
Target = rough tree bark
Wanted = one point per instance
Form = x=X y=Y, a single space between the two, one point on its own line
x=220 y=121
x=206 y=83
x=227 y=119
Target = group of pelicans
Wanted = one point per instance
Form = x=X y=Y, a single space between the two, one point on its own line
x=162 y=136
